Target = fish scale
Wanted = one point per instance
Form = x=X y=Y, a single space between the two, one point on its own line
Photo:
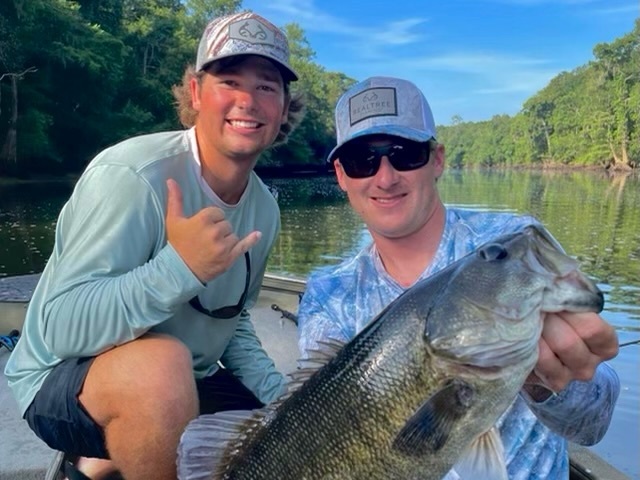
x=325 y=396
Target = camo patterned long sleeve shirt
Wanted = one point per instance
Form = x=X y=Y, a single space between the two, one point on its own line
x=340 y=301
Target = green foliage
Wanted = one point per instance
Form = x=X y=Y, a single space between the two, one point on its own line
x=77 y=67
x=78 y=75
x=102 y=71
x=586 y=117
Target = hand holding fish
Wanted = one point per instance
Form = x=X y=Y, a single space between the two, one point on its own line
x=571 y=347
x=204 y=241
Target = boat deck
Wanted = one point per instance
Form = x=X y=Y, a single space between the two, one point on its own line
x=28 y=455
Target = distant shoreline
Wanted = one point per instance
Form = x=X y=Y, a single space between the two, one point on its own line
x=317 y=170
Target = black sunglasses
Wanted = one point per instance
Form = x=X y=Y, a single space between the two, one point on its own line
x=229 y=311
x=359 y=159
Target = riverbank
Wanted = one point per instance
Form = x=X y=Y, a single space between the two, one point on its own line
x=321 y=170
x=38 y=179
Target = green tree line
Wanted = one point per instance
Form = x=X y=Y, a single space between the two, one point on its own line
x=79 y=75
x=589 y=116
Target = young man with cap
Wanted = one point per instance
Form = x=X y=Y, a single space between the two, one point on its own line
x=388 y=162
x=158 y=255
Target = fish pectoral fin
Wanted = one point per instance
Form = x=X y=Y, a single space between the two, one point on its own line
x=205 y=441
x=428 y=429
x=483 y=459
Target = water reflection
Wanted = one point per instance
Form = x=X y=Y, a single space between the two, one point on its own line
x=28 y=215
x=318 y=226
x=596 y=219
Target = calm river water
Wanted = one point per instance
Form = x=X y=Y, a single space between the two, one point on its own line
x=596 y=218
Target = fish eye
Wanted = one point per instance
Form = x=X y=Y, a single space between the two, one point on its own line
x=493 y=251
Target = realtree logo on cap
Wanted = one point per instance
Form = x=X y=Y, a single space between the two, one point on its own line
x=373 y=102
x=252 y=31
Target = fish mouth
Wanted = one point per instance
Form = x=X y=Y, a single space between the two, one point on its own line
x=568 y=289
x=573 y=292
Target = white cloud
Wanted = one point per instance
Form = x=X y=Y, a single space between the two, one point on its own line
x=362 y=39
x=460 y=77
x=490 y=73
x=395 y=33
x=477 y=63
x=622 y=9
x=380 y=51
x=305 y=13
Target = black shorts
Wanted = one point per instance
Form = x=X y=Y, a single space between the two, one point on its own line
x=57 y=417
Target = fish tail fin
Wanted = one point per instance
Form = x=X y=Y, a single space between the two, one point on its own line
x=202 y=447
x=483 y=459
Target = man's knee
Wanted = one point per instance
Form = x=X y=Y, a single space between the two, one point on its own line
x=164 y=358
x=152 y=375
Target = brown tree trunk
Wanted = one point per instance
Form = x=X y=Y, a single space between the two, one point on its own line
x=9 y=147
x=8 y=156
x=9 y=152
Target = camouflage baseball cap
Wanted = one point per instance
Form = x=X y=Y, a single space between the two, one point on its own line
x=383 y=105
x=244 y=33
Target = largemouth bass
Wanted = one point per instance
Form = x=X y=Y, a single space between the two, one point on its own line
x=419 y=390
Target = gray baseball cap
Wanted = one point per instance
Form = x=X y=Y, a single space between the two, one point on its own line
x=383 y=105
x=244 y=33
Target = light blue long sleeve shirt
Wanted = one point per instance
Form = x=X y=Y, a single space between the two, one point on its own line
x=340 y=301
x=112 y=276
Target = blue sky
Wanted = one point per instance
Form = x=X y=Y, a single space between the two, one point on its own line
x=473 y=58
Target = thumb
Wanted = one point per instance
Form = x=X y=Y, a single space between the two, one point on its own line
x=174 y=199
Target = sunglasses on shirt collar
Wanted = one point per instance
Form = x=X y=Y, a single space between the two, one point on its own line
x=359 y=159
x=228 y=311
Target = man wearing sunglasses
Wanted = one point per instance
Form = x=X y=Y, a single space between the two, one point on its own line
x=159 y=253
x=388 y=161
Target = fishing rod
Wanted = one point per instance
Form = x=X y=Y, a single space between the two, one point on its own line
x=632 y=342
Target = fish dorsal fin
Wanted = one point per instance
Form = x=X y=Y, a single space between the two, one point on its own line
x=298 y=377
x=205 y=441
x=331 y=345
x=317 y=358
x=428 y=429
x=483 y=459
